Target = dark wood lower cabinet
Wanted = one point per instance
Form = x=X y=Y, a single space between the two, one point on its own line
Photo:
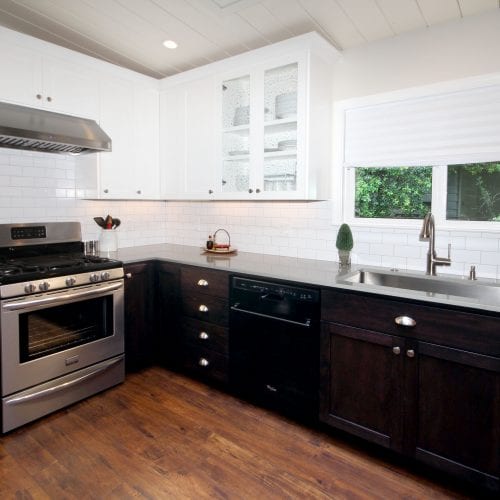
x=458 y=412
x=362 y=384
x=435 y=403
x=139 y=324
x=167 y=305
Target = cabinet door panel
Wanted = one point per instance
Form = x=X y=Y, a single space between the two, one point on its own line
x=117 y=113
x=146 y=139
x=458 y=408
x=72 y=90
x=21 y=77
x=363 y=395
x=200 y=137
x=139 y=346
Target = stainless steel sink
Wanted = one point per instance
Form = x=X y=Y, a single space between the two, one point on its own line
x=431 y=285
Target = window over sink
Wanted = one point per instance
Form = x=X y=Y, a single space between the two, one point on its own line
x=434 y=148
x=472 y=192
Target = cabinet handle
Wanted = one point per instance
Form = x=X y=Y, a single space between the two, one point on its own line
x=396 y=350
x=250 y=190
x=139 y=191
x=203 y=308
x=203 y=362
x=49 y=99
x=203 y=336
x=202 y=282
x=39 y=96
x=128 y=275
x=410 y=353
x=271 y=388
x=257 y=190
x=405 y=321
x=106 y=190
x=210 y=191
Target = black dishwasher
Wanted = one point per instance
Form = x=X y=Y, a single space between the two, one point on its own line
x=274 y=345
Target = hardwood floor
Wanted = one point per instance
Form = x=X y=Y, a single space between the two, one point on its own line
x=161 y=435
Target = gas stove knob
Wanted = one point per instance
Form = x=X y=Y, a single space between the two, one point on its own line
x=105 y=275
x=70 y=281
x=30 y=288
x=44 y=286
x=94 y=277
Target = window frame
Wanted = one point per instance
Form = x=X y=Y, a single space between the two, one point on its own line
x=343 y=188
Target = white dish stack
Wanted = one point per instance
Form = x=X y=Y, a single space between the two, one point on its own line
x=241 y=116
x=286 y=105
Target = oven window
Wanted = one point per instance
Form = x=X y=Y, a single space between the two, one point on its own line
x=55 y=329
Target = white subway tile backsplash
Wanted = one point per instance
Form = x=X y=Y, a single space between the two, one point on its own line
x=489 y=258
x=483 y=244
x=40 y=187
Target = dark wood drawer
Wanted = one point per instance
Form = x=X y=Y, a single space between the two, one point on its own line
x=460 y=329
x=205 y=335
x=206 y=308
x=198 y=279
x=205 y=362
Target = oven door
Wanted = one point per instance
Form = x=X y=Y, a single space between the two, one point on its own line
x=48 y=335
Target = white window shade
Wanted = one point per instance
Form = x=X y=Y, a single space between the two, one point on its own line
x=449 y=128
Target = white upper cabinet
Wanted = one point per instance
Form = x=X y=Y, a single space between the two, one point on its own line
x=47 y=82
x=188 y=139
x=129 y=115
x=255 y=126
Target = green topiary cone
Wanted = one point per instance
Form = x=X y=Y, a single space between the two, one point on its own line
x=344 y=238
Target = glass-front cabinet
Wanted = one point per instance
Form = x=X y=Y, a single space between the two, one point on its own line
x=262 y=136
x=254 y=127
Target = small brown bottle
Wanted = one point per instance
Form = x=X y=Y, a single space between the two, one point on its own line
x=210 y=243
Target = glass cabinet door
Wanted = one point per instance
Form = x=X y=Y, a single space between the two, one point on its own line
x=280 y=129
x=236 y=118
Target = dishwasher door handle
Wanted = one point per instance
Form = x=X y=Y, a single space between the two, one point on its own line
x=306 y=324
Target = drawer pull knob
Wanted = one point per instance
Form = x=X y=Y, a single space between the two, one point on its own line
x=128 y=275
x=396 y=350
x=405 y=321
x=203 y=308
x=410 y=353
x=203 y=336
x=202 y=282
x=203 y=362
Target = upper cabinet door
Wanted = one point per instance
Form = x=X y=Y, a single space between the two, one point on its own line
x=21 y=79
x=238 y=131
x=71 y=89
x=263 y=115
x=145 y=145
x=187 y=140
x=45 y=82
x=116 y=169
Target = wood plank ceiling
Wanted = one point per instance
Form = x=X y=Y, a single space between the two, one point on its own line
x=130 y=33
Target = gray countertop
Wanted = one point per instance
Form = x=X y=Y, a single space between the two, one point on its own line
x=307 y=271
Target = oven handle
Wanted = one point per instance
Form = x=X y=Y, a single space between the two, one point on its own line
x=64 y=385
x=307 y=323
x=12 y=306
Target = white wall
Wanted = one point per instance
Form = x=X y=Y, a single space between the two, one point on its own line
x=449 y=51
x=40 y=187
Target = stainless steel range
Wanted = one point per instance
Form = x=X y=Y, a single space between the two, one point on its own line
x=61 y=321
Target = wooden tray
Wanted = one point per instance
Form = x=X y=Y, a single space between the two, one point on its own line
x=221 y=250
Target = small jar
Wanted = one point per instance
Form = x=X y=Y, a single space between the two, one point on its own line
x=210 y=243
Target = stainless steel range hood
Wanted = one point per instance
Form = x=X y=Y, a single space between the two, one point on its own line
x=39 y=130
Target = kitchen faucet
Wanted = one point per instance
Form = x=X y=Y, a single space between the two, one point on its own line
x=428 y=234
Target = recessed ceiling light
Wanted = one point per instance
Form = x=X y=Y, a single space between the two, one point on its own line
x=170 y=44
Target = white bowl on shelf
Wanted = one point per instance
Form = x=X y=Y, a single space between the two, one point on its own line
x=287 y=145
x=286 y=105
